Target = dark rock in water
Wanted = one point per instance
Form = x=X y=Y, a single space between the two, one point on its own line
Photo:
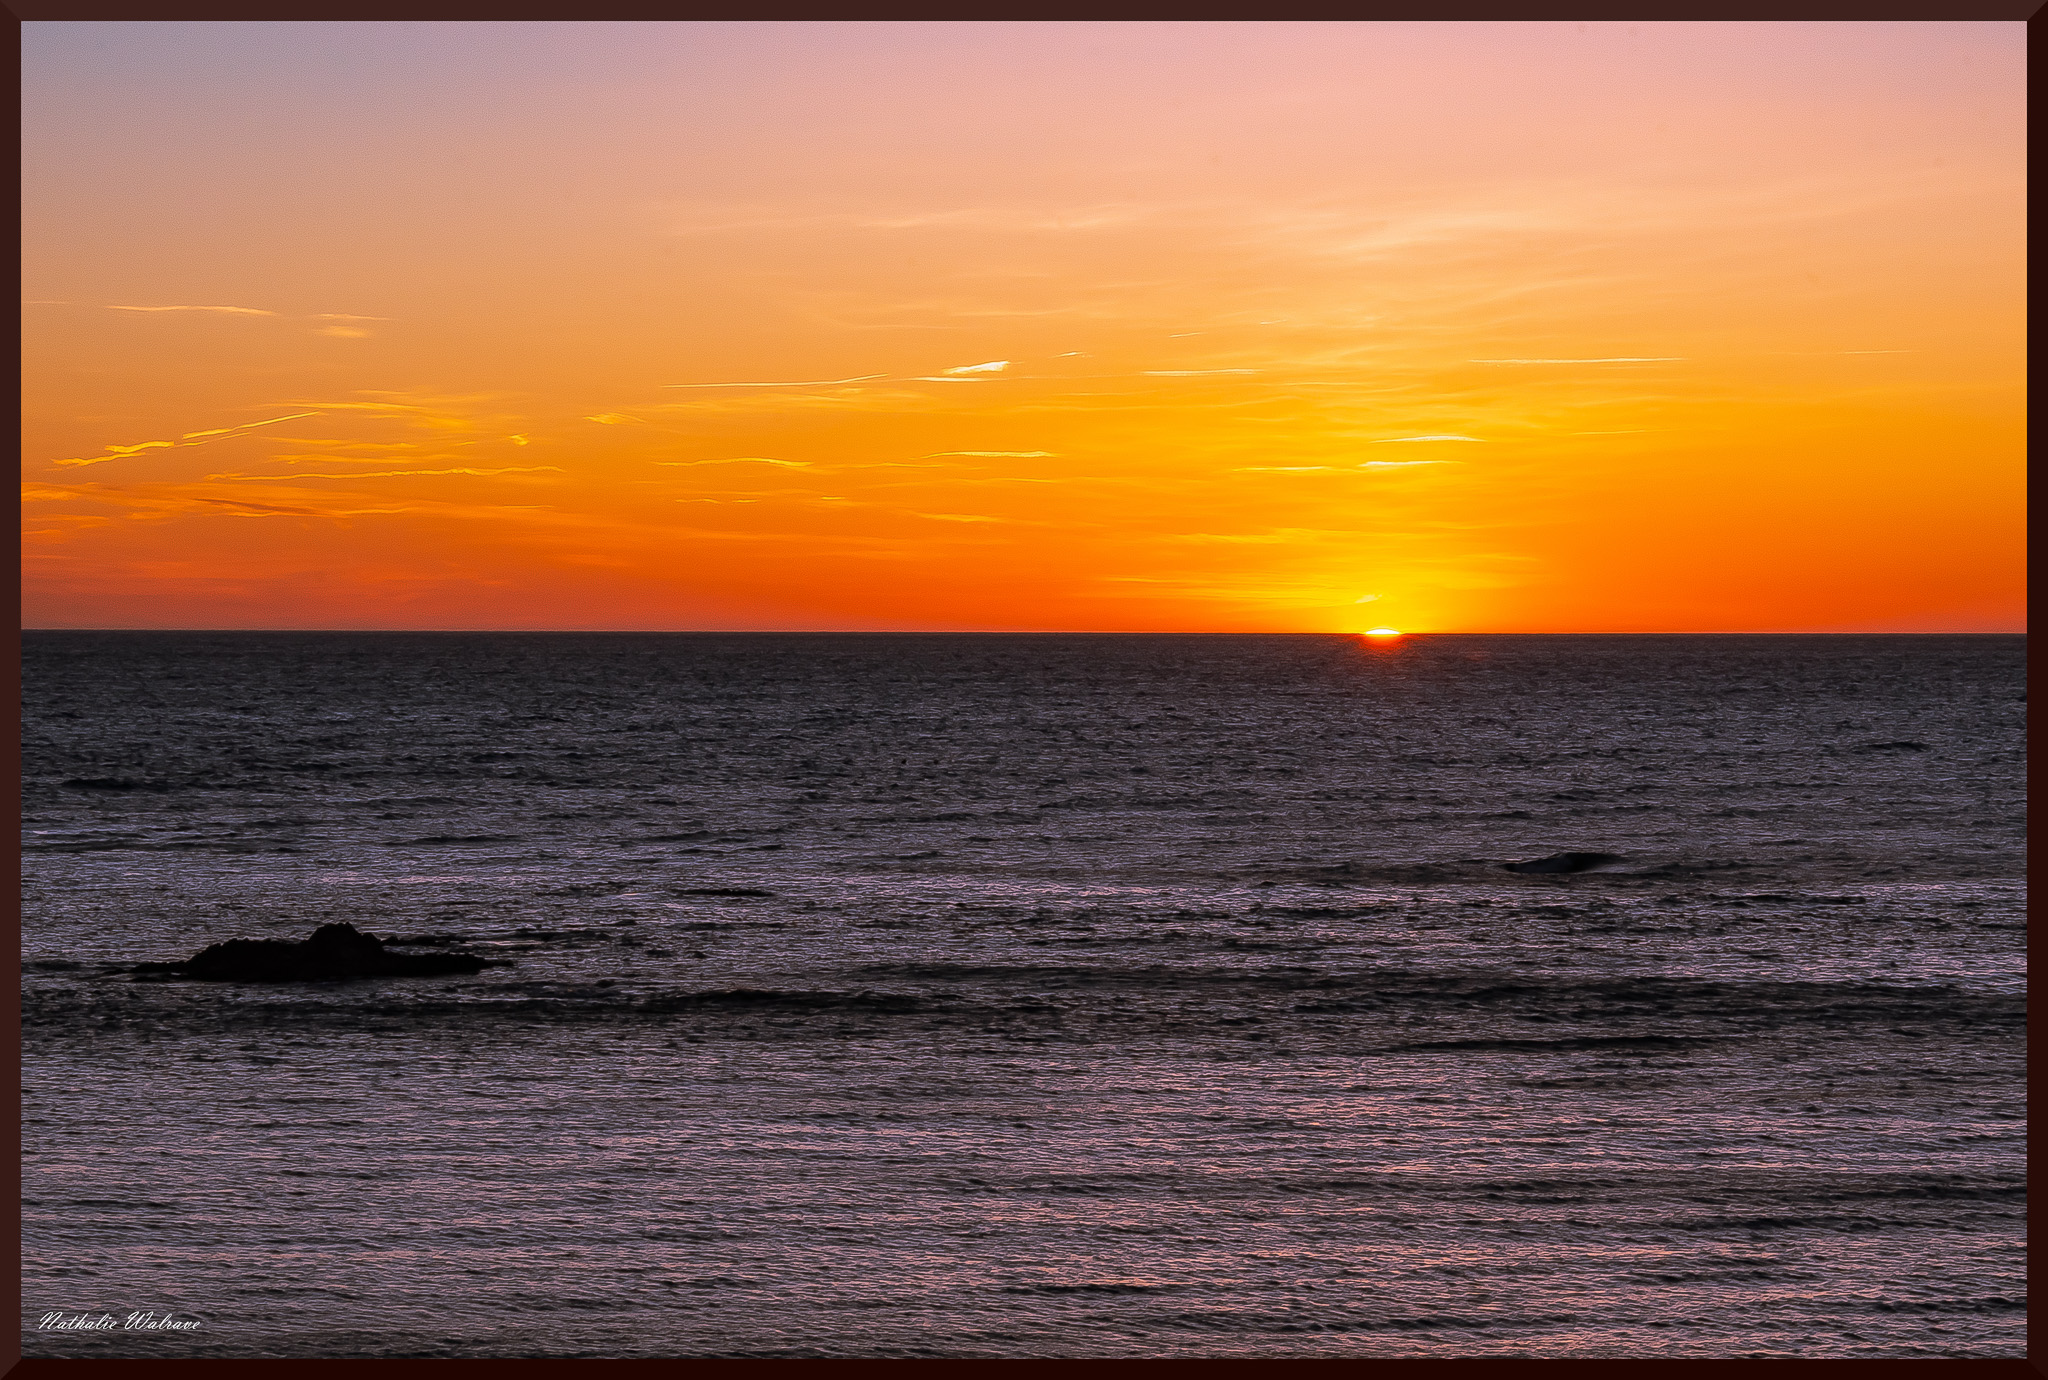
x=334 y=951
x=1563 y=862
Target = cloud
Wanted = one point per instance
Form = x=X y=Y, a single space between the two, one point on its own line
x=258 y=509
x=785 y=383
x=32 y=492
x=615 y=419
x=1616 y=359
x=741 y=460
x=1277 y=536
x=893 y=465
x=864 y=397
x=410 y=452
x=1190 y=373
x=1000 y=454
x=191 y=438
x=1014 y=218
x=755 y=217
x=162 y=501
x=231 y=311
x=347 y=445
x=432 y=412
x=391 y=474
x=340 y=332
x=273 y=421
x=994 y=366
x=1396 y=440
x=365 y=407
x=956 y=517
x=1335 y=469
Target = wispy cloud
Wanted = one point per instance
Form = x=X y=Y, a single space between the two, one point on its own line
x=230 y=311
x=242 y=498
x=741 y=460
x=425 y=410
x=368 y=407
x=957 y=517
x=393 y=474
x=257 y=509
x=190 y=438
x=1831 y=354
x=1000 y=454
x=1336 y=469
x=1612 y=359
x=1397 y=440
x=744 y=217
x=782 y=383
x=994 y=366
x=345 y=445
x=1276 y=536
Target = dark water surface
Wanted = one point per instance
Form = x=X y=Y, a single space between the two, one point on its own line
x=1065 y=996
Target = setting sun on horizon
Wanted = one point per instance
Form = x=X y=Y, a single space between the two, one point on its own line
x=1290 y=327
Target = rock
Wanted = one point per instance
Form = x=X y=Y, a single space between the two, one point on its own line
x=334 y=951
x=1563 y=862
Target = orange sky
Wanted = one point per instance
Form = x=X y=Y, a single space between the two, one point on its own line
x=1289 y=327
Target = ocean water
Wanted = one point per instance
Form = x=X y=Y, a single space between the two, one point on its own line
x=1030 y=996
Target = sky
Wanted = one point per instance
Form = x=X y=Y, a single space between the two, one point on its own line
x=1031 y=326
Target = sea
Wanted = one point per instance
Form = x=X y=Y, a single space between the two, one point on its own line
x=1028 y=996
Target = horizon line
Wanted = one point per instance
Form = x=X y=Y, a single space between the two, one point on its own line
x=1071 y=632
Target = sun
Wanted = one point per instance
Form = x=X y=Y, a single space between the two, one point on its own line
x=1382 y=632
